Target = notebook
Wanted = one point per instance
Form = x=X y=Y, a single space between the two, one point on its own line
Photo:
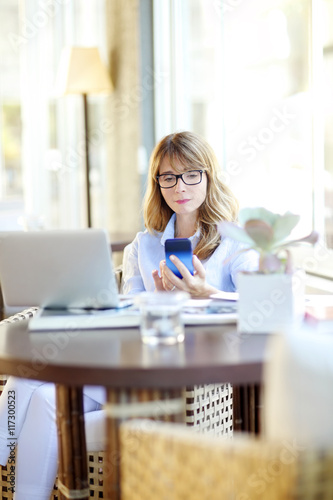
x=195 y=312
x=57 y=269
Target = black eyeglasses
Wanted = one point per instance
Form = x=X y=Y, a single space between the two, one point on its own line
x=191 y=177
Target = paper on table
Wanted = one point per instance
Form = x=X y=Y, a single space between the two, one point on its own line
x=195 y=312
x=319 y=300
x=209 y=311
x=233 y=296
x=319 y=312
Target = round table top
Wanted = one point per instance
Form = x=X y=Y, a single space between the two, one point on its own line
x=118 y=358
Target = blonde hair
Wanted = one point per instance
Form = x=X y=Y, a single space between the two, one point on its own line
x=190 y=152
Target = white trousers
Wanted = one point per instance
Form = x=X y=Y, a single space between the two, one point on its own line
x=27 y=418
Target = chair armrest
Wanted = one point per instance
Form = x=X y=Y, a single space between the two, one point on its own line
x=198 y=466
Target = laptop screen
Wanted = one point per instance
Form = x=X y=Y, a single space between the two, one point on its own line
x=57 y=269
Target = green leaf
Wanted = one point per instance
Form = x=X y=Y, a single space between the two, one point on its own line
x=283 y=226
x=311 y=238
x=258 y=213
x=261 y=233
x=235 y=232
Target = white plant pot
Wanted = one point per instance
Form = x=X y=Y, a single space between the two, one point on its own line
x=270 y=302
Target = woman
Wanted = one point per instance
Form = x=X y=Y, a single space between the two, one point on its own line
x=34 y=431
x=186 y=198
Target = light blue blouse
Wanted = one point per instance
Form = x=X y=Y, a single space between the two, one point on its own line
x=146 y=251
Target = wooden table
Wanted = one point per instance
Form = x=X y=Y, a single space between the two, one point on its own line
x=131 y=372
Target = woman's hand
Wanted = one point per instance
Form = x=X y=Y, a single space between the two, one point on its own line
x=195 y=285
x=162 y=284
x=159 y=287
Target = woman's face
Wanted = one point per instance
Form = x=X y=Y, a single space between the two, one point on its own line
x=182 y=198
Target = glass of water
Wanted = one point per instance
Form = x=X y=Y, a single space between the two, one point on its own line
x=161 y=319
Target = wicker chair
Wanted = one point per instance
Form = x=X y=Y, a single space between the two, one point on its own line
x=163 y=460
x=96 y=477
x=293 y=460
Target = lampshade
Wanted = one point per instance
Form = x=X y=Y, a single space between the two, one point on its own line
x=81 y=71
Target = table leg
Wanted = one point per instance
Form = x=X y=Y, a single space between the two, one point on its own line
x=72 y=454
x=164 y=404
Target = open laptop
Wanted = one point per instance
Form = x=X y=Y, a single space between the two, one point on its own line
x=59 y=271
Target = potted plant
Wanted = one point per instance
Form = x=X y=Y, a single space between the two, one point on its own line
x=272 y=298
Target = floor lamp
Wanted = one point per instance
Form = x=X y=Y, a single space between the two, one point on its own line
x=81 y=71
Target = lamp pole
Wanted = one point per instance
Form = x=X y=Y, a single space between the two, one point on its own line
x=87 y=172
x=81 y=71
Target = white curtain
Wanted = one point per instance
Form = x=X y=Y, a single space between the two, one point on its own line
x=53 y=158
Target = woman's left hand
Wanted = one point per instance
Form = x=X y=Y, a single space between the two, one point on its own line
x=195 y=284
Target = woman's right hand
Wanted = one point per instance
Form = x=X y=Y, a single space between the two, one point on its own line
x=162 y=279
x=159 y=287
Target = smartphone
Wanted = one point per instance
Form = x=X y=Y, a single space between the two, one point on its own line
x=181 y=248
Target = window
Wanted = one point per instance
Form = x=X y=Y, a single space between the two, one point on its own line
x=41 y=170
x=11 y=181
x=326 y=105
x=255 y=78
